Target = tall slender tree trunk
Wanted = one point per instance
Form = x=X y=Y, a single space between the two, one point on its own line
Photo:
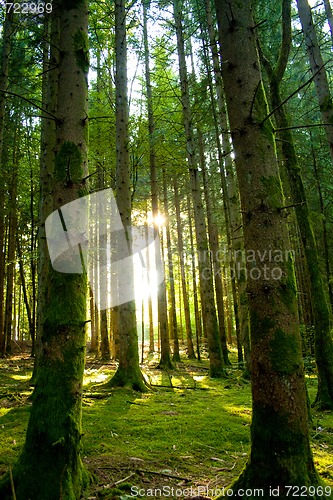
x=325 y=231
x=128 y=372
x=318 y=70
x=165 y=361
x=12 y=230
x=280 y=449
x=321 y=314
x=210 y=323
x=50 y=465
x=173 y=315
x=197 y=314
x=329 y=15
x=6 y=47
x=187 y=313
x=214 y=251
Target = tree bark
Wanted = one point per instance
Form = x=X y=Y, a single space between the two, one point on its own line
x=280 y=449
x=50 y=464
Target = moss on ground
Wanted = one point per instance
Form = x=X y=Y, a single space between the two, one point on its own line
x=181 y=438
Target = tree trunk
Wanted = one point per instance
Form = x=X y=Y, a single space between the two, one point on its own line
x=50 y=465
x=318 y=70
x=197 y=315
x=322 y=323
x=128 y=372
x=12 y=230
x=187 y=313
x=173 y=315
x=329 y=15
x=5 y=53
x=280 y=449
x=214 y=251
x=165 y=360
x=206 y=280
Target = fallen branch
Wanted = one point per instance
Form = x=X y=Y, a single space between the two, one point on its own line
x=122 y=480
x=164 y=474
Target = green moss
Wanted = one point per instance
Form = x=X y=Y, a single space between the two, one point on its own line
x=81 y=46
x=287 y=289
x=68 y=163
x=327 y=104
x=273 y=189
x=286 y=354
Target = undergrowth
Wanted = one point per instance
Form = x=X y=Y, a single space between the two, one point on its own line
x=188 y=436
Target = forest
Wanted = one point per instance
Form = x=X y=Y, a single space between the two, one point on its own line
x=166 y=265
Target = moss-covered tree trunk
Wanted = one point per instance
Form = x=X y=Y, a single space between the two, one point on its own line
x=50 y=466
x=280 y=450
x=128 y=372
x=321 y=314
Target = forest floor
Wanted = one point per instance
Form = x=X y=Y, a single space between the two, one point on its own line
x=187 y=437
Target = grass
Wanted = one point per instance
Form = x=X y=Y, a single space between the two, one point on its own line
x=195 y=436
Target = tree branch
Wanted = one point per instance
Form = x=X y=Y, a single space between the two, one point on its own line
x=30 y=102
x=293 y=93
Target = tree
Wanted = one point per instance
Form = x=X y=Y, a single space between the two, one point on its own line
x=5 y=52
x=206 y=281
x=280 y=450
x=318 y=70
x=322 y=323
x=128 y=372
x=50 y=464
x=165 y=361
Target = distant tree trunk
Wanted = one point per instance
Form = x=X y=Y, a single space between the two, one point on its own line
x=325 y=232
x=50 y=465
x=165 y=361
x=187 y=314
x=24 y=290
x=5 y=53
x=214 y=251
x=280 y=449
x=322 y=323
x=128 y=372
x=318 y=70
x=329 y=15
x=173 y=322
x=197 y=315
x=210 y=323
x=12 y=230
